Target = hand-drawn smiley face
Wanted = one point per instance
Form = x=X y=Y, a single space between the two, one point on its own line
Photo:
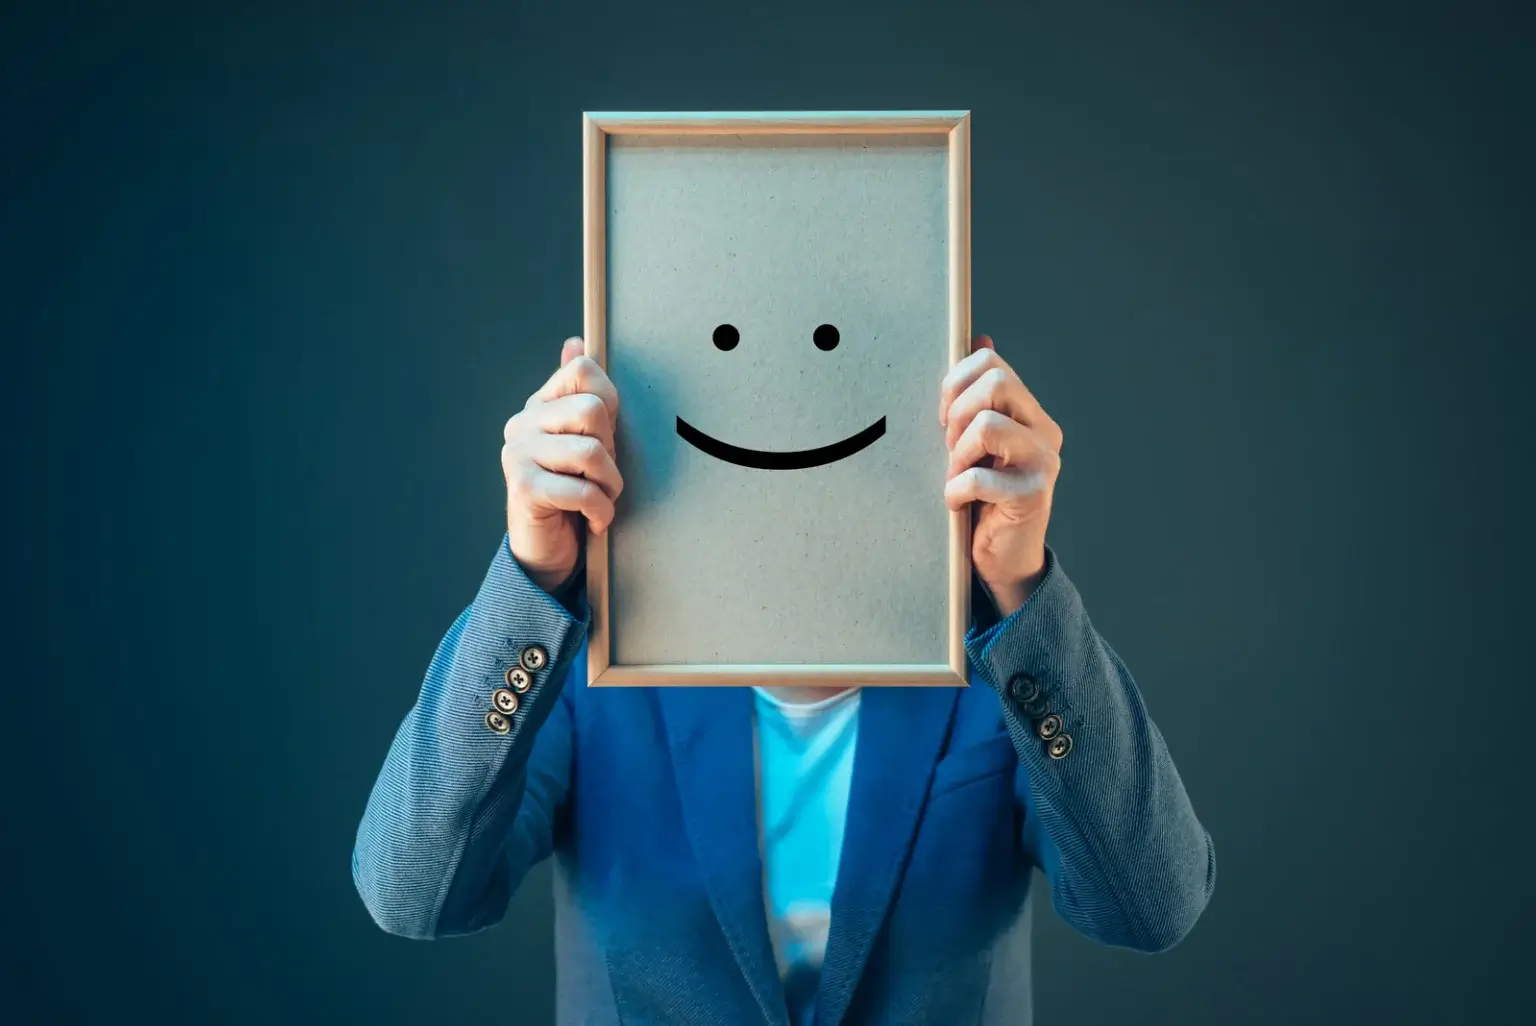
x=826 y=337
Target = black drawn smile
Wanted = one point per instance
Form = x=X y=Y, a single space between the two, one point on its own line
x=760 y=460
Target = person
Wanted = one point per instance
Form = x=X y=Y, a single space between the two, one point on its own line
x=784 y=856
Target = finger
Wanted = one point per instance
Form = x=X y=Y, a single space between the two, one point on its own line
x=998 y=487
x=580 y=414
x=547 y=490
x=579 y=374
x=571 y=348
x=581 y=455
x=962 y=374
x=997 y=389
x=958 y=372
x=984 y=360
x=990 y=433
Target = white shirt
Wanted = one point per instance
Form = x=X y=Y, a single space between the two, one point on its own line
x=804 y=768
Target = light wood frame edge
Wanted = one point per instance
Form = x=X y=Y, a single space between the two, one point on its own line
x=596 y=127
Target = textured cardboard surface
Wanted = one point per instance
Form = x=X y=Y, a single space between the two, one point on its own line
x=716 y=563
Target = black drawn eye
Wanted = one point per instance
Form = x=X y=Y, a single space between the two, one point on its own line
x=726 y=337
x=826 y=338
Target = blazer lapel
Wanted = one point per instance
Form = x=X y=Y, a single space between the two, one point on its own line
x=710 y=731
x=901 y=732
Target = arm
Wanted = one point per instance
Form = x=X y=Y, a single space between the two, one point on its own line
x=1109 y=822
x=459 y=813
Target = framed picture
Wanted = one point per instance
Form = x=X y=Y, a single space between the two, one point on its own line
x=777 y=297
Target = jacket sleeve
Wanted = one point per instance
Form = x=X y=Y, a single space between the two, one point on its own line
x=460 y=813
x=1109 y=821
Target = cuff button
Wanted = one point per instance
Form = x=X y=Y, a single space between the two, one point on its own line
x=1049 y=727
x=497 y=723
x=1024 y=688
x=1035 y=708
x=1058 y=746
x=504 y=700
x=518 y=679
x=533 y=658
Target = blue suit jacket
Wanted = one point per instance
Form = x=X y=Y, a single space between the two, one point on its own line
x=645 y=798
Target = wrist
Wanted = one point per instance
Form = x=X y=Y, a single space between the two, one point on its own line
x=551 y=581
x=1010 y=595
x=1009 y=599
x=546 y=576
x=559 y=585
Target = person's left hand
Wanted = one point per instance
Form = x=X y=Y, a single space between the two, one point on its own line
x=1005 y=455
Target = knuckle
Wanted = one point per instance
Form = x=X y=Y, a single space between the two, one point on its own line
x=990 y=423
x=584 y=370
x=519 y=484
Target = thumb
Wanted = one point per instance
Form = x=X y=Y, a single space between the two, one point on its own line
x=572 y=348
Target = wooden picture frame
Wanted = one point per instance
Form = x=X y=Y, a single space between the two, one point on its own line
x=597 y=129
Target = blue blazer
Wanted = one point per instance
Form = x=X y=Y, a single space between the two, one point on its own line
x=645 y=799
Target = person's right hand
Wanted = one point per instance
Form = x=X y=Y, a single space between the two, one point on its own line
x=558 y=459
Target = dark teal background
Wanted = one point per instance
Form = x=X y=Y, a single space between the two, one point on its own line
x=274 y=276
